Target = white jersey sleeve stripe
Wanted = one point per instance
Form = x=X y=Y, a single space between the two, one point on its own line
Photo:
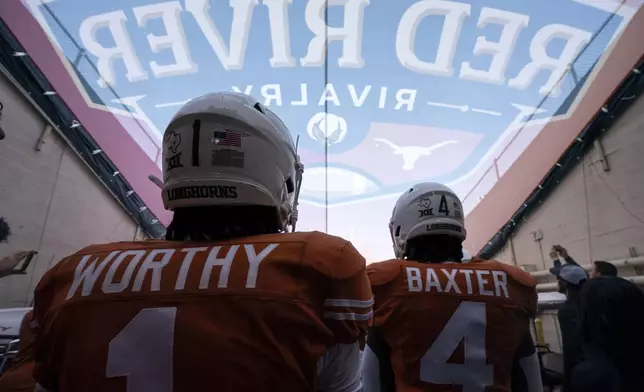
x=348 y=316
x=349 y=303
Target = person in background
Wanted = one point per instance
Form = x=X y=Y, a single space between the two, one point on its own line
x=8 y=264
x=570 y=280
x=603 y=268
x=2 y=134
x=599 y=268
x=18 y=377
x=611 y=321
x=5 y=230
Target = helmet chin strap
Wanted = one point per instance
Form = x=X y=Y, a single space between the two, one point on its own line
x=398 y=248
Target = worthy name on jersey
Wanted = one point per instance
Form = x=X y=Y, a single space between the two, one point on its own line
x=142 y=263
x=478 y=282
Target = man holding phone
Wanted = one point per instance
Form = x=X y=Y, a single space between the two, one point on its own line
x=570 y=279
x=17 y=263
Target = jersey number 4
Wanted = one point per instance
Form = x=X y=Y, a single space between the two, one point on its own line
x=467 y=324
x=143 y=351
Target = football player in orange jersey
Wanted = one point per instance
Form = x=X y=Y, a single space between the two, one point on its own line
x=442 y=325
x=229 y=301
x=18 y=377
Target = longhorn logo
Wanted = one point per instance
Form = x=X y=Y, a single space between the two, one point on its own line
x=424 y=202
x=173 y=141
x=411 y=154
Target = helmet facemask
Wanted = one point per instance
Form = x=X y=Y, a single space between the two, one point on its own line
x=398 y=243
x=293 y=213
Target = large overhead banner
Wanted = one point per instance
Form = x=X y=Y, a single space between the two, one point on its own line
x=402 y=91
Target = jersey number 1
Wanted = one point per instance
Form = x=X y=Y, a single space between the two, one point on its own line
x=467 y=324
x=143 y=351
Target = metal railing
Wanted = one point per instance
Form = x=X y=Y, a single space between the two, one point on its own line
x=570 y=81
x=619 y=263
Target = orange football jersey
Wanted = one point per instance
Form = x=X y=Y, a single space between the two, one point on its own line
x=451 y=327
x=251 y=314
x=18 y=377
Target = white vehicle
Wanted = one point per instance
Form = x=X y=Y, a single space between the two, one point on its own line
x=550 y=300
x=10 y=320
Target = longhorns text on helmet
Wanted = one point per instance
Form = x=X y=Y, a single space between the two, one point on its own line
x=539 y=69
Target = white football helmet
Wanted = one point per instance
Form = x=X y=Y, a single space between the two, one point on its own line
x=228 y=149
x=427 y=208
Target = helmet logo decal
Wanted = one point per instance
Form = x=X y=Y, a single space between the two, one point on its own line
x=458 y=210
x=227 y=138
x=227 y=157
x=173 y=141
x=424 y=202
x=442 y=206
x=173 y=162
x=425 y=209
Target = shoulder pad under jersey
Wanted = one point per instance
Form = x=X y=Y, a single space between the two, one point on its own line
x=516 y=273
x=384 y=272
x=523 y=281
x=333 y=256
x=119 y=245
